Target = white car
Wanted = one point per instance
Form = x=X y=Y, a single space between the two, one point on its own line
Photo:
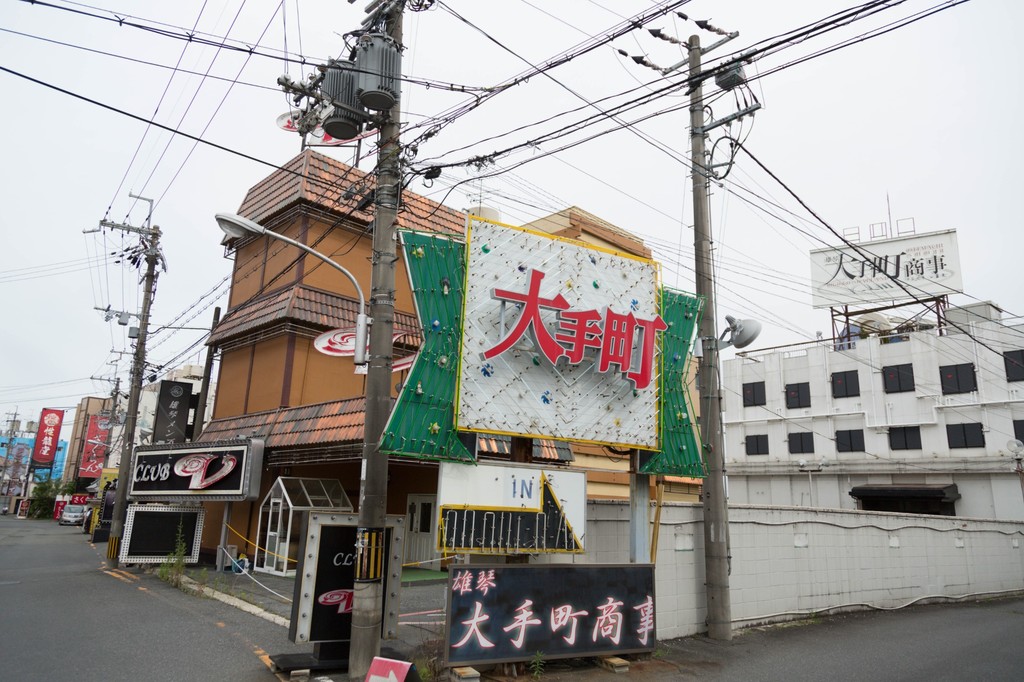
x=72 y=515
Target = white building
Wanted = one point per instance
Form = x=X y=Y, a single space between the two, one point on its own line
x=917 y=422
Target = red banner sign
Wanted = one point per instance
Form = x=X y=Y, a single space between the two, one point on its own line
x=47 y=436
x=95 y=448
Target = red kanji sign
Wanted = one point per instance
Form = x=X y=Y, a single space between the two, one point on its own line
x=612 y=335
x=47 y=436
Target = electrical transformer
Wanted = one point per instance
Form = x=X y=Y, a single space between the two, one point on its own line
x=379 y=63
x=731 y=77
x=340 y=86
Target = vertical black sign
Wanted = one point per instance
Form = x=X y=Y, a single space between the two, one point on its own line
x=331 y=618
x=172 y=407
x=330 y=613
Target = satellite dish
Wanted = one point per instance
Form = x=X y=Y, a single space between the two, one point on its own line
x=873 y=323
x=741 y=332
x=1015 y=446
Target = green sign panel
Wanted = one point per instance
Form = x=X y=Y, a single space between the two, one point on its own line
x=422 y=425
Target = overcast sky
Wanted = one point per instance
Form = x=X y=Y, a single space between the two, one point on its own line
x=916 y=123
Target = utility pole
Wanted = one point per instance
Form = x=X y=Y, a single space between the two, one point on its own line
x=8 y=446
x=370 y=536
x=153 y=257
x=115 y=396
x=204 y=389
x=716 y=511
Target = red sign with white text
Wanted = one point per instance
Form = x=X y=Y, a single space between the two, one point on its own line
x=47 y=436
x=95 y=448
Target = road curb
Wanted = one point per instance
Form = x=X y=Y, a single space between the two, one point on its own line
x=192 y=587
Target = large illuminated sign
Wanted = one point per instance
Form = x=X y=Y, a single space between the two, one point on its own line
x=560 y=340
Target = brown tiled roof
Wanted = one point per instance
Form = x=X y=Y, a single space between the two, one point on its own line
x=317 y=309
x=581 y=221
x=323 y=424
x=313 y=178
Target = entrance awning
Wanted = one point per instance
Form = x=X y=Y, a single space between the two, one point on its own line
x=944 y=492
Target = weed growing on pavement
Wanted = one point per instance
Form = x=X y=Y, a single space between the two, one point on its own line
x=536 y=665
x=173 y=568
x=201 y=577
x=219 y=584
x=429 y=660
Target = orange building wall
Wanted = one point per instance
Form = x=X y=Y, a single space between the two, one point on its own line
x=232 y=382
x=267 y=375
x=318 y=378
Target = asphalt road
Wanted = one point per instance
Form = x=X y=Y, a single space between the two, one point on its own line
x=65 y=616
x=938 y=642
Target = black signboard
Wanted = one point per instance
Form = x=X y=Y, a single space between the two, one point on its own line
x=510 y=612
x=325 y=579
x=172 y=407
x=152 y=531
x=228 y=470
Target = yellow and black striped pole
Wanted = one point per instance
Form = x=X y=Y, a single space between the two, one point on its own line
x=369 y=554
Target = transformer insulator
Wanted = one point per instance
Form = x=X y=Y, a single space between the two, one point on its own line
x=379 y=64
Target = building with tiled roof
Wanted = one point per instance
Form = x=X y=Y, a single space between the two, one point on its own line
x=308 y=407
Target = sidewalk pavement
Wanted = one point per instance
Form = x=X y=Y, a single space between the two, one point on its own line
x=420 y=624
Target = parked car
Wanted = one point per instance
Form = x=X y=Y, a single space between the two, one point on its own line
x=72 y=515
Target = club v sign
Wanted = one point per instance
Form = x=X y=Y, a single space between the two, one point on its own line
x=227 y=471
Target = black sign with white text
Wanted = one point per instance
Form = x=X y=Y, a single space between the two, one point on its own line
x=172 y=407
x=229 y=470
x=325 y=580
x=510 y=612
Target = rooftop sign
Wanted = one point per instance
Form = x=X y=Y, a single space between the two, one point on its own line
x=901 y=269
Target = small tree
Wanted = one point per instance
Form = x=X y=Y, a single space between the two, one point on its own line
x=44 y=496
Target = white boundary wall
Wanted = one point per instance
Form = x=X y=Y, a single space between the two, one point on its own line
x=789 y=562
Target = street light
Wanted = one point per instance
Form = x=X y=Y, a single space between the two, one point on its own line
x=811 y=467
x=236 y=226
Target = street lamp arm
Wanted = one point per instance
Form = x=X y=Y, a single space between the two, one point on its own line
x=236 y=226
x=336 y=266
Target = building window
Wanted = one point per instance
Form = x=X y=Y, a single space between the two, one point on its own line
x=965 y=435
x=845 y=384
x=905 y=438
x=850 y=441
x=801 y=443
x=958 y=378
x=798 y=395
x=1018 y=429
x=898 y=378
x=757 y=444
x=753 y=394
x=1014 y=363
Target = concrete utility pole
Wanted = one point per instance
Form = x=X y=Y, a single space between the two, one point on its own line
x=115 y=396
x=204 y=389
x=153 y=257
x=8 y=446
x=370 y=545
x=716 y=511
